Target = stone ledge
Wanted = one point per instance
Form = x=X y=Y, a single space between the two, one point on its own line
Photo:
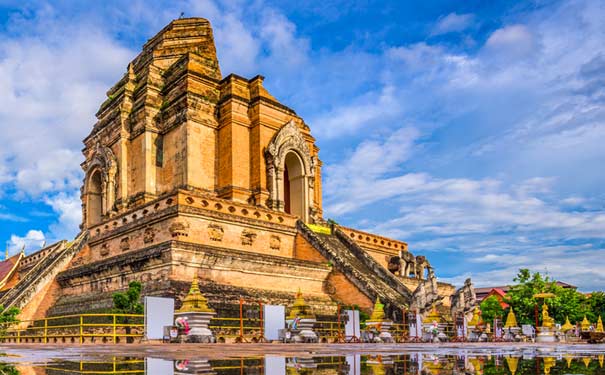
x=156 y=251
x=193 y=203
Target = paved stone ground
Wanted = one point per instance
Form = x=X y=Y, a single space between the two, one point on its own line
x=40 y=354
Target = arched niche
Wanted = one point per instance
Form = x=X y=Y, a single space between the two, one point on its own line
x=290 y=172
x=294 y=185
x=94 y=198
x=99 y=190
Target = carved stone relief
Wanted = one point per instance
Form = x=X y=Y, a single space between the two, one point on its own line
x=216 y=232
x=149 y=235
x=104 y=250
x=125 y=244
x=275 y=242
x=179 y=229
x=248 y=237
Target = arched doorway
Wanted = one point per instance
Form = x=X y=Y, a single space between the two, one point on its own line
x=294 y=185
x=94 y=204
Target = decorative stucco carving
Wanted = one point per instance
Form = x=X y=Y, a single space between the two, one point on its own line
x=216 y=232
x=248 y=237
x=275 y=242
x=149 y=235
x=179 y=229
x=104 y=250
x=125 y=244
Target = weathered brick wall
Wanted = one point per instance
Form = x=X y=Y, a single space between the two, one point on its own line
x=345 y=292
x=305 y=251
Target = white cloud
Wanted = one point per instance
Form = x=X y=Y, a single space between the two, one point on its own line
x=492 y=224
x=368 y=111
x=51 y=84
x=69 y=209
x=453 y=22
x=33 y=240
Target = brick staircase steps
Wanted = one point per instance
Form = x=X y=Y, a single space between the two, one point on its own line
x=359 y=268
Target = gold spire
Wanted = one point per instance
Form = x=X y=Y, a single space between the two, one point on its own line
x=513 y=363
x=195 y=300
x=378 y=312
x=477 y=365
x=300 y=308
x=599 y=325
x=568 y=359
x=433 y=316
x=549 y=362
x=511 y=319
x=6 y=253
x=567 y=326
x=585 y=324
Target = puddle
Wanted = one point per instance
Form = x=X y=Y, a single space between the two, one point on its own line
x=521 y=362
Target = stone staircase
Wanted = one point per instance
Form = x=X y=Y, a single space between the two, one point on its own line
x=359 y=268
x=42 y=273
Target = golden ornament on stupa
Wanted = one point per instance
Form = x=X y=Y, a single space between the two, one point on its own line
x=585 y=324
x=601 y=358
x=586 y=361
x=378 y=312
x=567 y=326
x=195 y=300
x=476 y=320
x=568 y=359
x=433 y=316
x=549 y=362
x=599 y=325
x=477 y=365
x=300 y=308
x=511 y=319
x=513 y=363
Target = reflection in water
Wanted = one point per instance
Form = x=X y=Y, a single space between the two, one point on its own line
x=412 y=364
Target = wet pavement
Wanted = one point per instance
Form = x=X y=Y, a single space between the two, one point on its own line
x=350 y=359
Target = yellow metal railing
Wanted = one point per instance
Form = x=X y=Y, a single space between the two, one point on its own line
x=75 y=329
x=88 y=367
x=242 y=329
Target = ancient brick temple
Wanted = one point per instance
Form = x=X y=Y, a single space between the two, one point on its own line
x=192 y=174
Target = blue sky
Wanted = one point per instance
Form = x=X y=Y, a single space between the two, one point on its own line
x=473 y=130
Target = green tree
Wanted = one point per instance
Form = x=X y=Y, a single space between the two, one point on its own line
x=490 y=309
x=129 y=302
x=595 y=304
x=521 y=295
x=567 y=303
x=9 y=315
x=6 y=369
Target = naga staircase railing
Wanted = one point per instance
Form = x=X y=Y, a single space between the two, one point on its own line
x=44 y=267
x=389 y=289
